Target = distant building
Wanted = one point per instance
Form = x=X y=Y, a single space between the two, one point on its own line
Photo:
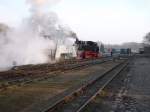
x=65 y=52
x=147 y=50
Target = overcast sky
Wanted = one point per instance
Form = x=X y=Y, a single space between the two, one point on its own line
x=109 y=21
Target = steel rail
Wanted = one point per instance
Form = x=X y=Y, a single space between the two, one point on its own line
x=78 y=99
x=68 y=67
x=40 y=68
x=100 y=90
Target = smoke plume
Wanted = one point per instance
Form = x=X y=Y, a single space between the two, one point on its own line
x=39 y=6
x=37 y=38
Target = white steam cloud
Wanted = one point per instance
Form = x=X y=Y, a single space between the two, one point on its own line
x=36 y=40
x=38 y=6
x=41 y=3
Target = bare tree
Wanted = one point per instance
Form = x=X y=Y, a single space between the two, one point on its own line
x=3 y=28
x=147 y=39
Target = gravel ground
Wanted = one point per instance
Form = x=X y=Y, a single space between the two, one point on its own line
x=19 y=98
x=129 y=92
x=139 y=84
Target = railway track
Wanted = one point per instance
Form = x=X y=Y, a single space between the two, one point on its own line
x=79 y=98
x=43 y=74
x=29 y=70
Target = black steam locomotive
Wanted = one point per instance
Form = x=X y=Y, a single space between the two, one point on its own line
x=87 y=49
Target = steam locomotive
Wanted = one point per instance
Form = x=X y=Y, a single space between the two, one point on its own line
x=87 y=49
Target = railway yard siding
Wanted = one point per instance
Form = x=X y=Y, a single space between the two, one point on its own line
x=128 y=92
x=23 y=97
